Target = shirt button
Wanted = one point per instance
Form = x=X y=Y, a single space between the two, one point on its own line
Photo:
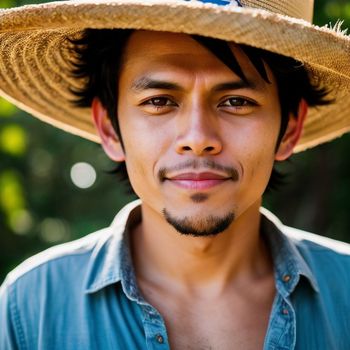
x=286 y=278
x=285 y=312
x=160 y=338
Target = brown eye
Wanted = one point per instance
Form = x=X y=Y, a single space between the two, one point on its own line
x=159 y=101
x=159 y=105
x=237 y=102
x=238 y=105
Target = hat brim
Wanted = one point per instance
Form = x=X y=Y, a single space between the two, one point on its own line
x=34 y=53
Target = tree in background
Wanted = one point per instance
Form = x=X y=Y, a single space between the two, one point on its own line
x=55 y=187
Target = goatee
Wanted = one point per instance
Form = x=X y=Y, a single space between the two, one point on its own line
x=200 y=227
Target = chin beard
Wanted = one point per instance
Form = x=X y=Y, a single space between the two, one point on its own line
x=204 y=227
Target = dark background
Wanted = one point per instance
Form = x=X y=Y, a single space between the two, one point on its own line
x=41 y=206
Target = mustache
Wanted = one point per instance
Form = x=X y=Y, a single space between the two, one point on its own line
x=198 y=164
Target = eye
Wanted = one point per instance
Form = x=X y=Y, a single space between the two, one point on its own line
x=159 y=102
x=237 y=102
x=237 y=105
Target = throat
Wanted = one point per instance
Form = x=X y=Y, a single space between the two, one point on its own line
x=167 y=258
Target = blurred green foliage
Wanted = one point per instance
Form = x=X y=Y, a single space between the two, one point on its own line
x=330 y=11
x=40 y=205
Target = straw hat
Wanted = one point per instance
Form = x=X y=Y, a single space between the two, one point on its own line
x=34 y=72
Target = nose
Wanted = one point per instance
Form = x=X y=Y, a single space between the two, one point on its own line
x=198 y=133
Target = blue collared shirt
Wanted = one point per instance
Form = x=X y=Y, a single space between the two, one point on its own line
x=84 y=295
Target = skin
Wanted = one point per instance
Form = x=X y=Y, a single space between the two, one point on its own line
x=181 y=128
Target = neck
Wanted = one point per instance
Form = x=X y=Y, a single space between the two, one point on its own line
x=164 y=257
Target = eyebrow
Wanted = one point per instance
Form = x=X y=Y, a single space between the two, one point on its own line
x=235 y=85
x=145 y=83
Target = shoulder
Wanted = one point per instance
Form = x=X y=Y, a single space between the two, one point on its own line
x=44 y=284
x=326 y=258
x=67 y=256
x=316 y=243
x=70 y=263
x=308 y=241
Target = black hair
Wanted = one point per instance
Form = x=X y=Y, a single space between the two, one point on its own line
x=97 y=58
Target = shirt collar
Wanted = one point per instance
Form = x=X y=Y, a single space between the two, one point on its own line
x=289 y=264
x=110 y=254
x=111 y=261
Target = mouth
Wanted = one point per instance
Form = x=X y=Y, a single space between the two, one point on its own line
x=198 y=181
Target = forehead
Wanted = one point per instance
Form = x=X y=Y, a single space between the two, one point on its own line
x=158 y=51
x=152 y=44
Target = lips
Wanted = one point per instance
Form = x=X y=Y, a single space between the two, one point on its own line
x=198 y=181
x=198 y=177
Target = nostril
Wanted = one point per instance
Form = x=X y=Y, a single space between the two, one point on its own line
x=206 y=149
x=209 y=149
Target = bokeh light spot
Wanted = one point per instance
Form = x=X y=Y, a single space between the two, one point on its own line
x=83 y=175
x=54 y=230
x=21 y=221
x=41 y=162
x=11 y=192
x=13 y=140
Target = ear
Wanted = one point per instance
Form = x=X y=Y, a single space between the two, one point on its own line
x=293 y=133
x=109 y=139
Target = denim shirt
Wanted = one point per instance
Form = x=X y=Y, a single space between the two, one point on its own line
x=84 y=295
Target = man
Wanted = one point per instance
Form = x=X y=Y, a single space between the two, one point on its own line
x=199 y=123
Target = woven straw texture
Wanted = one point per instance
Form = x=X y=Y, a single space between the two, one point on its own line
x=34 y=71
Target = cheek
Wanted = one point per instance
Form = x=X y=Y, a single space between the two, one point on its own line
x=144 y=143
x=260 y=163
x=256 y=151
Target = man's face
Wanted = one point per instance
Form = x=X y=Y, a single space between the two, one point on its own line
x=199 y=142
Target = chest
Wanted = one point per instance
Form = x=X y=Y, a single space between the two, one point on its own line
x=227 y=323
x=217 y=330
x=109 y=320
